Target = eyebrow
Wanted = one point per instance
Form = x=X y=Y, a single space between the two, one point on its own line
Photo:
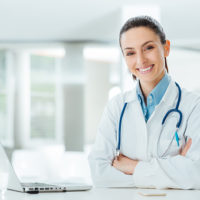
x=128 y=48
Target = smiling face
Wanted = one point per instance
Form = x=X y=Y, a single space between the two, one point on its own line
x=144 y=54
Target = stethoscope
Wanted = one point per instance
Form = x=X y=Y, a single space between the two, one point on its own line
x=176 y=109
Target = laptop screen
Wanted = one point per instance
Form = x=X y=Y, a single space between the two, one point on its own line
x=5 y=165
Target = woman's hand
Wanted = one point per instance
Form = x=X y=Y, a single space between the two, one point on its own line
x=125 y=164
x=186 y=148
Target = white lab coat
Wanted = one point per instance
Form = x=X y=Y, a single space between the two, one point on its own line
x=139 y=141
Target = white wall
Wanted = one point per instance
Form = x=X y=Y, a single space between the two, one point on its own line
x=184 y=67
x=96 y=95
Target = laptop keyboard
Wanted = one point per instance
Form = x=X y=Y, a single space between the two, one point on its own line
x=36 y=185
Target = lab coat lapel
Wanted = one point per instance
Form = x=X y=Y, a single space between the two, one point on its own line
x=167 y=102
x=154 y=124
x=134 y=127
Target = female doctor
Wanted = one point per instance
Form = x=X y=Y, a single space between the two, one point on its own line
x=148 y=137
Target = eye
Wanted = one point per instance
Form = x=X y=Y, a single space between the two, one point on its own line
x=149 y=47
x=130 y=53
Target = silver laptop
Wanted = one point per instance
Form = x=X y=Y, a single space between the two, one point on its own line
x=15 y=184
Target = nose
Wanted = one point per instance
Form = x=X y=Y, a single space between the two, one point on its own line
x=140 y=59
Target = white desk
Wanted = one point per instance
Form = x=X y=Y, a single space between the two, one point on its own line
x=65 y=164
x=106 y=194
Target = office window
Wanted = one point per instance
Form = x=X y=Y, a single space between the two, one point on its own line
x=3 y=96
x=43 y=100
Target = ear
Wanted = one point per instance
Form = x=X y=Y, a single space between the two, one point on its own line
x=167 y=48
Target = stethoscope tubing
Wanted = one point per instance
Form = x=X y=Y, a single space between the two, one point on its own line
x=120 y=126
x=176 y=109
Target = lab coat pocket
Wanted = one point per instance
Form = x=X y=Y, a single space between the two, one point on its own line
x=168 y=145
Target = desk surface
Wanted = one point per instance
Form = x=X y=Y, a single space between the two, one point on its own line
x=107 y=193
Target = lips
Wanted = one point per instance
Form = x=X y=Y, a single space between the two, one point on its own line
x=145 y=70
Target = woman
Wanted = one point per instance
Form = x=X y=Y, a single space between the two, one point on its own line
x=159 y=123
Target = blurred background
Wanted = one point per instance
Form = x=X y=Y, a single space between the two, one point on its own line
x=60 y=63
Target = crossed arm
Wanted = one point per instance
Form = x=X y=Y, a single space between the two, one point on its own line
x=127 y=165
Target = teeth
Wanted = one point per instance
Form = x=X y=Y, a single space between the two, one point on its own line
x=146 y=69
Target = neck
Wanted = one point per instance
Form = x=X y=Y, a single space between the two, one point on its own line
x=147 y=87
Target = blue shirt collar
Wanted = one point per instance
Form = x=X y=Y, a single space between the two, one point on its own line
x=157 y=93
x=139 y=92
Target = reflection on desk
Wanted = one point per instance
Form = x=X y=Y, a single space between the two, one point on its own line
x=107 y=194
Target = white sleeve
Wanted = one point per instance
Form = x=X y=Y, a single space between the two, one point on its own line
x=178 y=171
x=103 y=152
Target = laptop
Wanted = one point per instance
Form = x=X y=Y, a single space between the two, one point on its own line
x=15 y=184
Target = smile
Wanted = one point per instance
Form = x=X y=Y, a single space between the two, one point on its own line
x=145 y=70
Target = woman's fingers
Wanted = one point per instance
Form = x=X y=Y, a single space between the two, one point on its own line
x=186 y=148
